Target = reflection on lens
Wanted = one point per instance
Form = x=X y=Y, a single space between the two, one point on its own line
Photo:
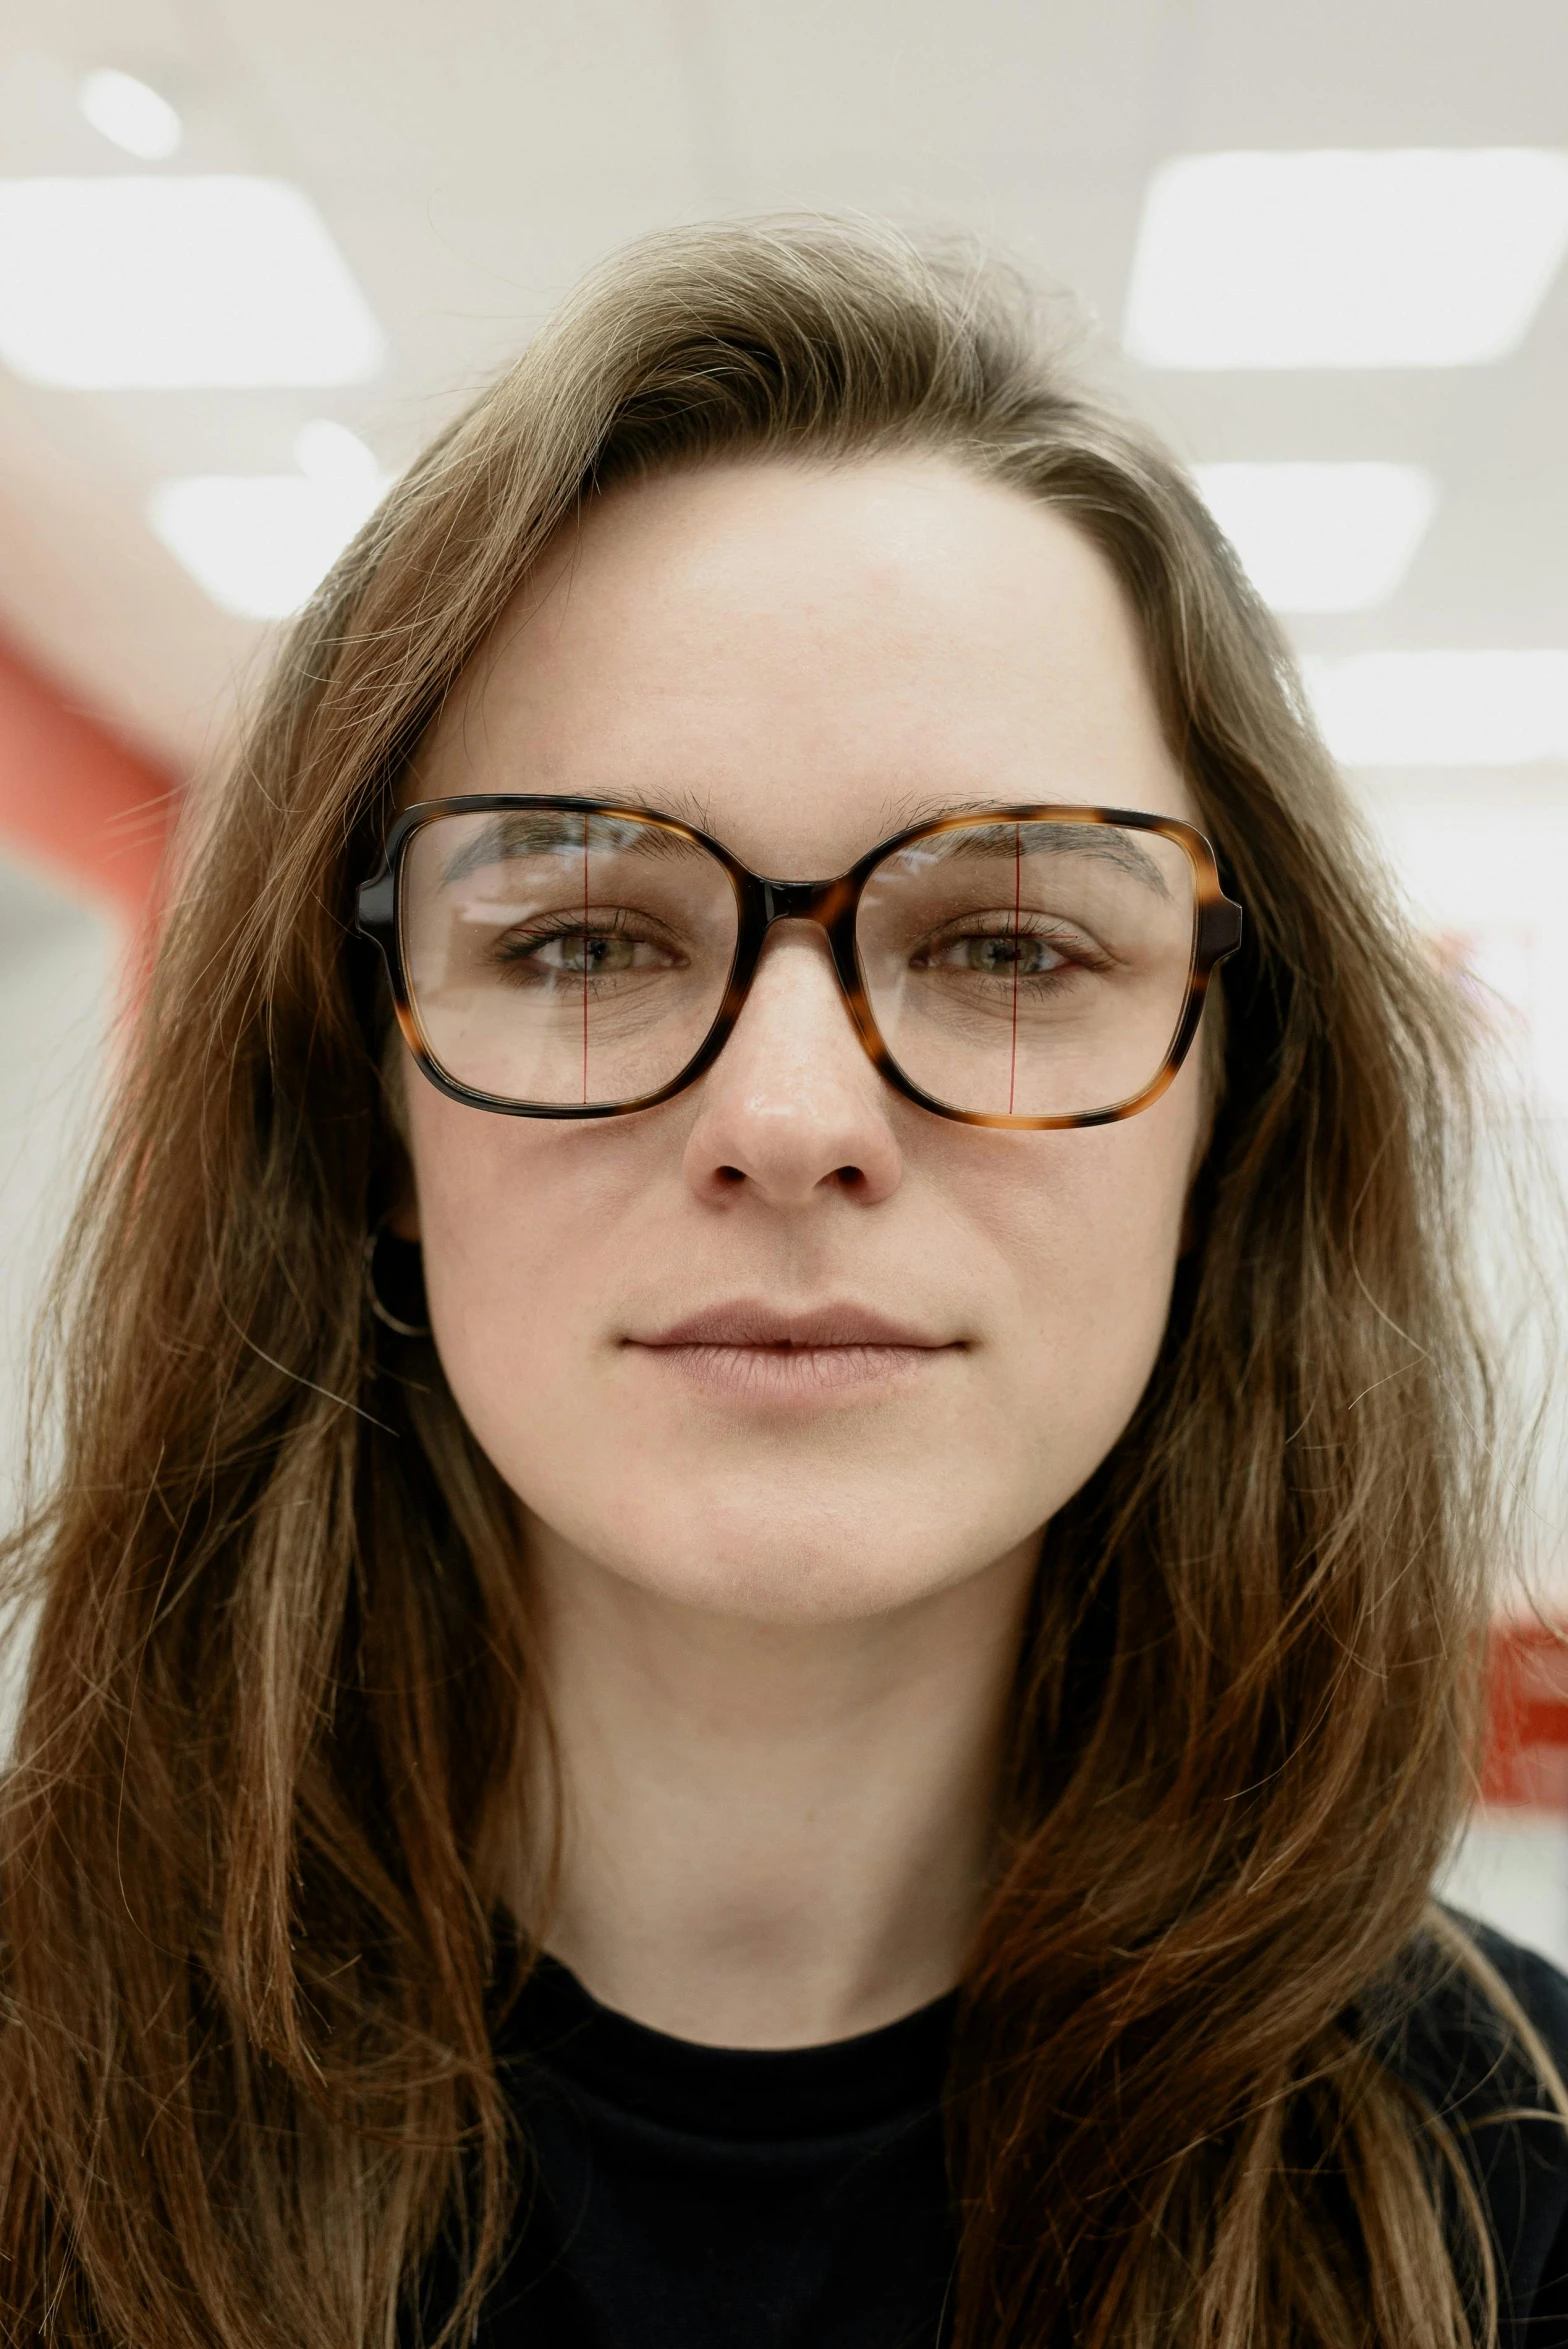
x=1033 y=969
x=562 y=959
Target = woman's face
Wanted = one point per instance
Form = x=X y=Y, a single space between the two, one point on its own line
x=802 y=660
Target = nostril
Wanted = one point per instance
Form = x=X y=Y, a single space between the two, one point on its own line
x=728 y=1174
x=850 y=1178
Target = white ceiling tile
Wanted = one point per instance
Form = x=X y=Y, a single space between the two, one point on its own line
x=1377 y=73
x=917 y=87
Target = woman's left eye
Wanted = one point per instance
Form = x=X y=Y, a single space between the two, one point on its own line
x=998 y=954
x=596 y=955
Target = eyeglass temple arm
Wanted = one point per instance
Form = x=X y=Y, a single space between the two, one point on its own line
x=375 y=902
x=1219 y=930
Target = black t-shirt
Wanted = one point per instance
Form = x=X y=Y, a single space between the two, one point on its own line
x=688 y=2197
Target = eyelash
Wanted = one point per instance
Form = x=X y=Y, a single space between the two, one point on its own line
x=514 y=948
x=1076 y=952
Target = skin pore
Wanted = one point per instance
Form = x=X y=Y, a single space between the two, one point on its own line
x=780 y=1600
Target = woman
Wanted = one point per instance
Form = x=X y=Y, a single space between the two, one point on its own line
x=762 y=1612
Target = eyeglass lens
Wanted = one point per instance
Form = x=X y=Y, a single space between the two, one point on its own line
x=560 y=959
x=1029 y=970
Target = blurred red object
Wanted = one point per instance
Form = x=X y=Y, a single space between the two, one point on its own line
x=1525 y=1760
x=74 y=801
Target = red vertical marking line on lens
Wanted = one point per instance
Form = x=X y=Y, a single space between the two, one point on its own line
x=1018 y=899
x=585 y=960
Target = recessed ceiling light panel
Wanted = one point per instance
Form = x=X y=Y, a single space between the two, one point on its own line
x=130 y=113
x=169 y=281
x=339 y=460
x=1443 y=709
x=261 y=543
x=1321 y=538
x=1412 y=257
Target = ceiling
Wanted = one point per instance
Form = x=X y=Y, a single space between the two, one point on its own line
x=472 y=158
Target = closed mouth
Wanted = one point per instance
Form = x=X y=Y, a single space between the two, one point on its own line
x=764 y=1327
x=752 y=1352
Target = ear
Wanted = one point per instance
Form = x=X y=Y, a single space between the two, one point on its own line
x=1192 y=1222
x=403 y=1221
x=1211 y=1073
x=402 y=1217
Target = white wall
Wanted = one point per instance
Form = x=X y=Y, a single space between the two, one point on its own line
x=58 y=976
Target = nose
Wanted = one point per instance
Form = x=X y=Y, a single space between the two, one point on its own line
x=793 y=1110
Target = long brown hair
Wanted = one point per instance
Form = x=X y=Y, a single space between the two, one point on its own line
x=281 y=1652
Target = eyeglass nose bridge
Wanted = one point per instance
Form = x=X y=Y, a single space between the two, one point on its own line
x=803 y=901
x=831 y=906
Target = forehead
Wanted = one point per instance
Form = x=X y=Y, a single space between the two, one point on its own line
x=803 y=659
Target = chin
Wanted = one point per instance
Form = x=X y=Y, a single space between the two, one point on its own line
x=783 y=1557
x=799 y=1586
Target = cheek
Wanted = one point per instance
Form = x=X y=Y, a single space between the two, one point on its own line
x=1091 y=1240
x=513 y=1227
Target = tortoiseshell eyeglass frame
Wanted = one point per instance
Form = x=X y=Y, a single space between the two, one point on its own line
x=833 y=905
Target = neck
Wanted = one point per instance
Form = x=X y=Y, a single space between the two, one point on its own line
x=772 y=1835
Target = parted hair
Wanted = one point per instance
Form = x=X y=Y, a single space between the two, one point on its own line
x=281 y=1659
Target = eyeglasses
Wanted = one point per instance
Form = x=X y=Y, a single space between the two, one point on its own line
x=1023 y=967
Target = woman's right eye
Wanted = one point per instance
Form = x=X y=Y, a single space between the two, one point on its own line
x=581 y=953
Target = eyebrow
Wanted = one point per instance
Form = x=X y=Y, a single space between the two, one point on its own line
x=546 y=831
x=519 y=832
x=1044 y=835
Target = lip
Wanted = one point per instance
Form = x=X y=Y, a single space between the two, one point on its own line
x=746 y=1350
x=746 y=1321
